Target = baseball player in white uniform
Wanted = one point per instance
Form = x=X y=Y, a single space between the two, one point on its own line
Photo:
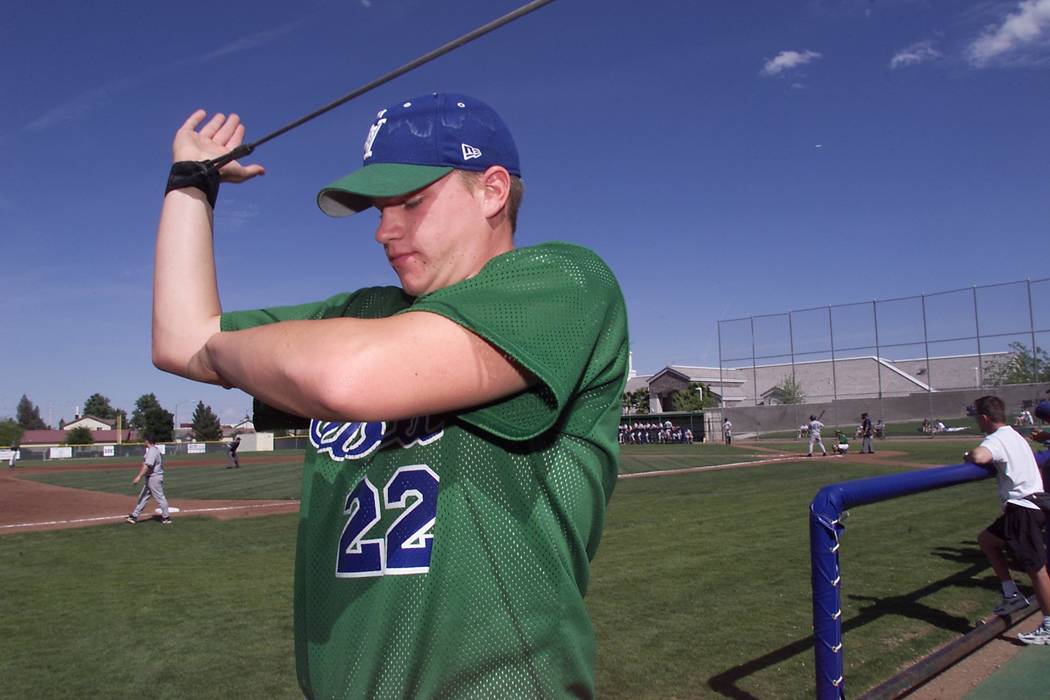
x=153 y=470
x=815 y=427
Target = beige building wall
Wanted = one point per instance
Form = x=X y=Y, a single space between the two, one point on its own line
x=89 y=423
x=865 y=377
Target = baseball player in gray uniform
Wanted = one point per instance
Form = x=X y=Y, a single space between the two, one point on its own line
x=153 y=470
x=815 y=427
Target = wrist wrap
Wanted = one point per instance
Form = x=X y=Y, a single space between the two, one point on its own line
x=199 y=174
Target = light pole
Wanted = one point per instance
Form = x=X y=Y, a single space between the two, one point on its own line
x=177 y=423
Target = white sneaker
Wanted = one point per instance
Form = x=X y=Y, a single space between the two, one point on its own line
x=1010 y=604
x=1040 y=636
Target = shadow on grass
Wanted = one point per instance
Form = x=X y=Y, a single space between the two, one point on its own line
x=906 y=605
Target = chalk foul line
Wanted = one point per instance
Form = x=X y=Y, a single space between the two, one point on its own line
x=715 y=467
x=74 y=521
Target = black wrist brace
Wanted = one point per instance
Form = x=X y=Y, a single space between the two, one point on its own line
x=199 y=174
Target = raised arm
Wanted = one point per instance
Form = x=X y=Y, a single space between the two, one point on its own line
x=409 y=365
x=186 y=305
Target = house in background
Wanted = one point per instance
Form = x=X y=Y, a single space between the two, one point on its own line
x=59 y=437
x=725 y=385
x=91 y=423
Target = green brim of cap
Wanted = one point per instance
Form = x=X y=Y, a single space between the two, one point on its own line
x=356 y=191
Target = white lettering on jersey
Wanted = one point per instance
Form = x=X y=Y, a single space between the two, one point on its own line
x=358 y=440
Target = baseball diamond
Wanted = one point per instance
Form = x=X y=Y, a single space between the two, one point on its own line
x=764 y=665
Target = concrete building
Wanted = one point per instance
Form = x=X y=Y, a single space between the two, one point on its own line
x=820 y=380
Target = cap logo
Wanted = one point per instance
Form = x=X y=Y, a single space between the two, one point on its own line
x=470 y=152
x=373 y=131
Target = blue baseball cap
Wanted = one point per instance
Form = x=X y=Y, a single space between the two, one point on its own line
x=416 y=142
x=1042 y=410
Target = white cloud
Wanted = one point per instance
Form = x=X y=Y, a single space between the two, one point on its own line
x=1028 y=26
x=786 y=60
x=82 y=104
x=100 y=97
x=235 y=217
x=255 y=40
x=917 y=53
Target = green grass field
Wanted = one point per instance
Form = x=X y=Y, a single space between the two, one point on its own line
x=700 y=588
x=904 y=429
x=646 y=458
x=277 y=480
x=919 y=452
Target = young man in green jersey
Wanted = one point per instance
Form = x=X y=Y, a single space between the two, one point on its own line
x=462 y=425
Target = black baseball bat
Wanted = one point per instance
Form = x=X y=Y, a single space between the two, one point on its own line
x=247 y=148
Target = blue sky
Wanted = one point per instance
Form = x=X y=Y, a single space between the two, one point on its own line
x=726 y=159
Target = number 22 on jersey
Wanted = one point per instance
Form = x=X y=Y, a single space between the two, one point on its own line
x=406 y=546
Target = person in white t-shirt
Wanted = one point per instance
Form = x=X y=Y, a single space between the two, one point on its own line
x=1020 y=528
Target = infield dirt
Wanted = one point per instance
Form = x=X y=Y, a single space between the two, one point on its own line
x=27 y=506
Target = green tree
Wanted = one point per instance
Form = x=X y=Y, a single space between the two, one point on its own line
x=635 y=402
x=789 y=391
x=1022 y=367
x=79 y=436
x=10 y=432
x=99 y=406
x=28 y=415
x=205 y=423
x=694 y=397
x=149 y=418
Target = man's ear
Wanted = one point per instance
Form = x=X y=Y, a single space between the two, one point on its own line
x=495 y=189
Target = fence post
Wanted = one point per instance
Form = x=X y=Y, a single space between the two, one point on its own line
x=929 y=371
x=1031 y=329
x=754 y=376
x=878 y=353
x=834 y=378
x=977 y=334
x=721 y=380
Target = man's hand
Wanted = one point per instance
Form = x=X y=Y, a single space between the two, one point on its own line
x=136 y=479
x=216 y=138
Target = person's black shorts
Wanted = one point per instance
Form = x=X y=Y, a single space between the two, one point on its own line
x=1022 y=530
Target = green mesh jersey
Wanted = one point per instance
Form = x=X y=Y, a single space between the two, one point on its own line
x=448 y=556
